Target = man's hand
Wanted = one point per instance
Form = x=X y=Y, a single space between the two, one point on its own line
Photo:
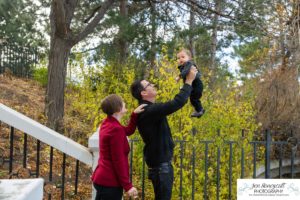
x=191 y=75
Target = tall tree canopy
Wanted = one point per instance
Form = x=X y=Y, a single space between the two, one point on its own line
x=264 y=34
x=19 y=23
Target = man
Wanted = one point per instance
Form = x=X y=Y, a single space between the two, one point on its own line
x=155 y=132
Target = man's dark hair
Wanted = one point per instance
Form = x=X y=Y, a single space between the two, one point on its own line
x=111 y=104
x=136 y=88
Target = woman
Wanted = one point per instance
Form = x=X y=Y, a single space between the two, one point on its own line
x=111 y=175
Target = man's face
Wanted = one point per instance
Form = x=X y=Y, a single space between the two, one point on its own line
x=182 y=57
x=149 y=90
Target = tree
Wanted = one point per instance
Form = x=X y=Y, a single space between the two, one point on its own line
x=214 y=39
x=191 y=42
x=123 y=46
x=17 y=23
x=271 y=60
x=279 y=104
x=63 y=38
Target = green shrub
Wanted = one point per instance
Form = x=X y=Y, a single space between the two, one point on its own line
x=41 y=75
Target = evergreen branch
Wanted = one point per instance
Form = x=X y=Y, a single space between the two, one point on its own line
x=92 y=15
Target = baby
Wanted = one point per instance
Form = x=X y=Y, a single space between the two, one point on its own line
x=184 y=58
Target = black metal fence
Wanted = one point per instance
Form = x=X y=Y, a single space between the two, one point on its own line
x=20 y=60
x=209 y=169
x=206 y=169
x=22 y=156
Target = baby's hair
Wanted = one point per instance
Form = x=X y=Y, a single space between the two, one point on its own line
x=188 y=52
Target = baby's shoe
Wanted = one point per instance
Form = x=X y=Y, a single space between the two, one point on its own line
x=198 y=114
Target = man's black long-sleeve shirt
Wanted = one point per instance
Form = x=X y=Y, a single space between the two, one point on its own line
x=154 y=128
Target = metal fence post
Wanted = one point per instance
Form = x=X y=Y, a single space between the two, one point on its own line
x=11 y=151
x=242 y=156
x=268 y=154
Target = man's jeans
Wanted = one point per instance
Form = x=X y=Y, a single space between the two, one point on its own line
x=162 y=180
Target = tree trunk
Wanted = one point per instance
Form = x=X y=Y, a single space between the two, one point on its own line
x=214 y=35
x=282 y=42
x=62 y=40
x=123 y=46
x=293 y=42
x=214 y=42
x=191 y=35
x=153 y=40
x=58 y=59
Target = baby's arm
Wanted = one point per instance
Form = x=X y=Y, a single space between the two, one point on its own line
x=185 y=70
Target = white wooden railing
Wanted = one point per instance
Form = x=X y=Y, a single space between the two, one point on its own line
x=52 y=138
x=45 y=135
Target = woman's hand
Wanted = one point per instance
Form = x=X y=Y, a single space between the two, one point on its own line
x=140 y=108
x=132 y=192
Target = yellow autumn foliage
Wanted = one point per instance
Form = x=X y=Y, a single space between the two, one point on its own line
x=227 y=114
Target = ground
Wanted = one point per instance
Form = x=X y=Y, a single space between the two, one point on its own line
x=27 y=97
x=23 y=95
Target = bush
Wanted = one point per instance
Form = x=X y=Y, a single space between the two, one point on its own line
x=226 y=111
x=41 y=75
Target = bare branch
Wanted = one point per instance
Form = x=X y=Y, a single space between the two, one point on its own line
x=70 y=10
x=197 y=7
x=88 y=50
x=91 y=26
x=137 y=7
x=92 y=15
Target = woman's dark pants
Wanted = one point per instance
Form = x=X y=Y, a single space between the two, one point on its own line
x=108 y=193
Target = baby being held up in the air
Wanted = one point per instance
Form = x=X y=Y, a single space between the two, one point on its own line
x=184 y=58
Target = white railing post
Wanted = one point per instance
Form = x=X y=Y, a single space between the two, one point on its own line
x=22 y=189
x=94 y=148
